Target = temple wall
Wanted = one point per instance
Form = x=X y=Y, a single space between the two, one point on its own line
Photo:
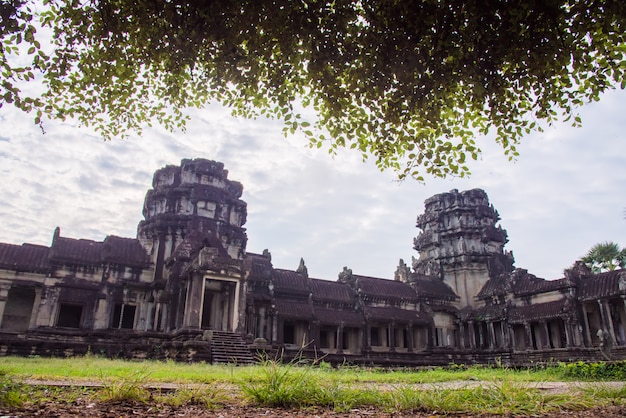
x=546 y=297
x=466 y=282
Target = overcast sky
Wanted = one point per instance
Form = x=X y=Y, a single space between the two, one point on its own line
x=565 y=193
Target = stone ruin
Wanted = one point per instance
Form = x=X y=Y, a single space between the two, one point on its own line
x=187 y=289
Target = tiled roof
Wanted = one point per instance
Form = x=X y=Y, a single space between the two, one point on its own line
x=483 y=313
x=125 y=251
x=533 y=285
x=337 y=317
x=396 y=314
x=384 y=288
x=539 y=311
x=257 y=267
x=117 y=250
x=25 y=257
x=294 y=310
x=289 y=280
x=601 y=285
x=325 y=290
x=494 y=286
x=432 y=287
x=521 y=283
x=81 y=251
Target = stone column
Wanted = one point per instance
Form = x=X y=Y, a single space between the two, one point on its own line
x=430 y=337
x=274 y=327
x=510 y=337
x=264 y=331
x=367 y=337
x=604 y=321
x=589 y=342
x=35 y=311
x=314 y=334
x=492 y=334
x=609 y=317
x=529 y=337
x=237 y=302
x=48 y=307
x=340 y=339
x=409 y=338
x=568 y=333
x=546 y=335
x=391 y=337
x=503 y=333
x=623 y=325
x=193 y=307
x=472 y=335
x=481 y=335
x=4 y=294
x=156 y=324
x=461 y=335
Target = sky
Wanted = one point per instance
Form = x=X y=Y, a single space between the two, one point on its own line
x=564 y=193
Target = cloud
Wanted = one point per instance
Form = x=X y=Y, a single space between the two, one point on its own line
x=563 y=194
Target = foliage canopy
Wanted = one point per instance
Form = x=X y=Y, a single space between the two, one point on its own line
x=412 y=84
x=605 y=256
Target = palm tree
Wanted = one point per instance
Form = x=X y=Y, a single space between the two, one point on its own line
x=606 y=256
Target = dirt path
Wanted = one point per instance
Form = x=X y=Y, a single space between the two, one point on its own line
x=83 y=406
x=552 y=387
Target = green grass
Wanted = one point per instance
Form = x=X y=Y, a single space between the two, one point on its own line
x=302 y=385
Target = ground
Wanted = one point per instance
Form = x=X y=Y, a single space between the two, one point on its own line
x=81 y=408
x=82 y=404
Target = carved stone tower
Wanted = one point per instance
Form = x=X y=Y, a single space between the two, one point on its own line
x=193 y=202
x=461 y=243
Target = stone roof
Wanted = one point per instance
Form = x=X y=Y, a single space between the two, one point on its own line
x=521 y=283
x=38 y=258
x=125 y=251
x=80 y=251
x=25 y=257
x=338 y=316
x=494 y=286
x=487 y=312
x=294 y=310
x=539 y=311
x=387 y=314
x=384 y=288
x=257 y=267
x=601 y=285
x=289 y=281
x=432 y=287
x=325 y=290
x=532 y=285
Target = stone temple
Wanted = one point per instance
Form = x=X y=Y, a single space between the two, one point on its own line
x=187 y=289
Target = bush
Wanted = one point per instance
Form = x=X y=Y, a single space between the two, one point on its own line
x=593 y=371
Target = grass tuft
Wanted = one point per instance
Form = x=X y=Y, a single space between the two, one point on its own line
x=12 y=394
x=128 y=389
x=285 y=385
x=193 y=395
x=615 y=395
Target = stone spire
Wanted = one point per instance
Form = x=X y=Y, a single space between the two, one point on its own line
x=197 y=204
x=461 y=242
x=302 y=268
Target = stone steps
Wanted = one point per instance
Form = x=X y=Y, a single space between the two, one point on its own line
x=229 y=348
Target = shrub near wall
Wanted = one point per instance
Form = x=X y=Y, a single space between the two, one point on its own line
x=593 y=371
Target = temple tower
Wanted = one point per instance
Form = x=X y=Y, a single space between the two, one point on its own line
x=195 y=198
x=461 y=243
x=194 y=235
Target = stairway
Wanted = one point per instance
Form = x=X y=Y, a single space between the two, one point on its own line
x=229 y=347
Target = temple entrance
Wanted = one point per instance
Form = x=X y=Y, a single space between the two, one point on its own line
x=18 y=310
x=218 y=305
